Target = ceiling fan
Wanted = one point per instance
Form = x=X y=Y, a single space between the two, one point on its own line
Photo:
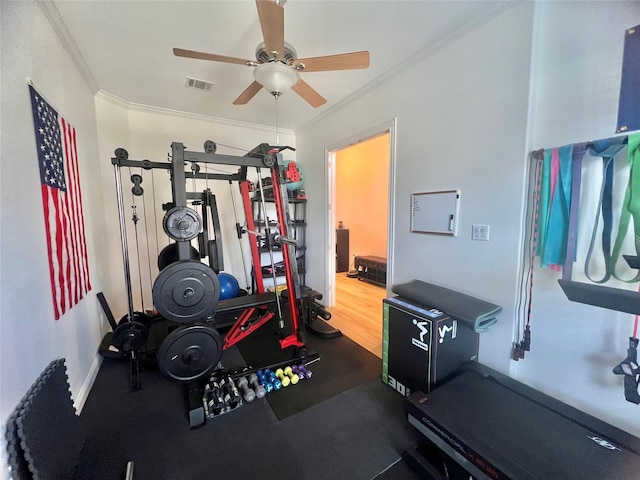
x=277 y=66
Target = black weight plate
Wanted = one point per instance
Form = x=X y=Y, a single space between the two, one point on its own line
x=130 y=336
x=182 y=223
x=186 y=291
x=190 y=352
x=169 y=254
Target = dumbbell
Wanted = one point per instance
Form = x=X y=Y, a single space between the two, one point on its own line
x=271 y=377
x=208 y=400
x=247 y=392
x=288 y=371
x=216 y=402
x=302 y=370
x=231 y=396
x=283 y=378
x=298 y=371
x=264 y=382
x=259 y=389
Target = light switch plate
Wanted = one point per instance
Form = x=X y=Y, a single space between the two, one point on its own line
x=480 y=232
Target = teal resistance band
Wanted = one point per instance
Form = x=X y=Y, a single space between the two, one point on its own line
x=555 y=243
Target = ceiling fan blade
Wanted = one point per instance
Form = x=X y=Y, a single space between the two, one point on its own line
x=312 y=97
x=343 y=61
x=272 y=23
x=179 y=52
x=248 y=94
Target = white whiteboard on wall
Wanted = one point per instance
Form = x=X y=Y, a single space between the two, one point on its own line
x=435 y=212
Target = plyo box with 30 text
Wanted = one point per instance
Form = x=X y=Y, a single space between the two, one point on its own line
x=422 y=346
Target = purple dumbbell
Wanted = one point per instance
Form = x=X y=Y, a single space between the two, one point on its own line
x=304 y=372
x=296 y=369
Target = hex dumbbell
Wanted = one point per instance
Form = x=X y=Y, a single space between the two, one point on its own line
x=247 y=392
x=283 y=378
x=302 y=370
x=288 y=371
x=259 y=389
x=277 y=383
x=296 y=370
x=264 y=381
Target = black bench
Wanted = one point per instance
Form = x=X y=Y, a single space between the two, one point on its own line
x=372 y=269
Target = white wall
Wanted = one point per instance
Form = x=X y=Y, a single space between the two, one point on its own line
x=576 y=65
x=30 y=337
x=461 y=124
x=113 y=131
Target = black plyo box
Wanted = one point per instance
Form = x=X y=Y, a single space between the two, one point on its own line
x=422 y=346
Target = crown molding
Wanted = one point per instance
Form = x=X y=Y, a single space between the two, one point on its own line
x=52 y=14
x=139 y=107
x=112 y=99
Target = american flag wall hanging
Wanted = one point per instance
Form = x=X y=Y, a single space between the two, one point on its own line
x=62 y=205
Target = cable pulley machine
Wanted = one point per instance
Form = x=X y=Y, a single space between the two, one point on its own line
x=186 y=290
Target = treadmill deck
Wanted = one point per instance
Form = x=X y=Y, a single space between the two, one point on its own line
x=498 y=428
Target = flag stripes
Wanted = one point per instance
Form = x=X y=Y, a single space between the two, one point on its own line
x=62 y=205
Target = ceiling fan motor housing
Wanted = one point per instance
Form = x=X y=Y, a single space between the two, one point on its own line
x=262 y=56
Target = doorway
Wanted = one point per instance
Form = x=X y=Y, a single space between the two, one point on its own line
x=360 y=212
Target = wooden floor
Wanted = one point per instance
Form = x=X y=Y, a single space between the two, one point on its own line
x=358 y=312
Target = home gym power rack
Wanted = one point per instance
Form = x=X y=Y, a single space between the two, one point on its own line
x=186 y=291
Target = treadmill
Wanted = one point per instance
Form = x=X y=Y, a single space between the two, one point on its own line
x=495 y=427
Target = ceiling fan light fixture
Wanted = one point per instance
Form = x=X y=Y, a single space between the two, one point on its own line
x=277 y=78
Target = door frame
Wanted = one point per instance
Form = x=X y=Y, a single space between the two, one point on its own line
x=388 y=127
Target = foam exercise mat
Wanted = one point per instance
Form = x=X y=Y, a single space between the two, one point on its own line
x=343 y=364
x=476 y=313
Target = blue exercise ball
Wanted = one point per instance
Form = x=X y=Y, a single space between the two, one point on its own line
x=229 y=287
x=294 y=175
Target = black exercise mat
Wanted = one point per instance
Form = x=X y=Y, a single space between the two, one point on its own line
x=150 y=427
x=343 y=365
x=355 y=434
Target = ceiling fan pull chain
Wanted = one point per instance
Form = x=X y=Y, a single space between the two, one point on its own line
x=277 y=129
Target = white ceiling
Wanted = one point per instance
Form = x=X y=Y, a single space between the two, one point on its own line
x=124 y=48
